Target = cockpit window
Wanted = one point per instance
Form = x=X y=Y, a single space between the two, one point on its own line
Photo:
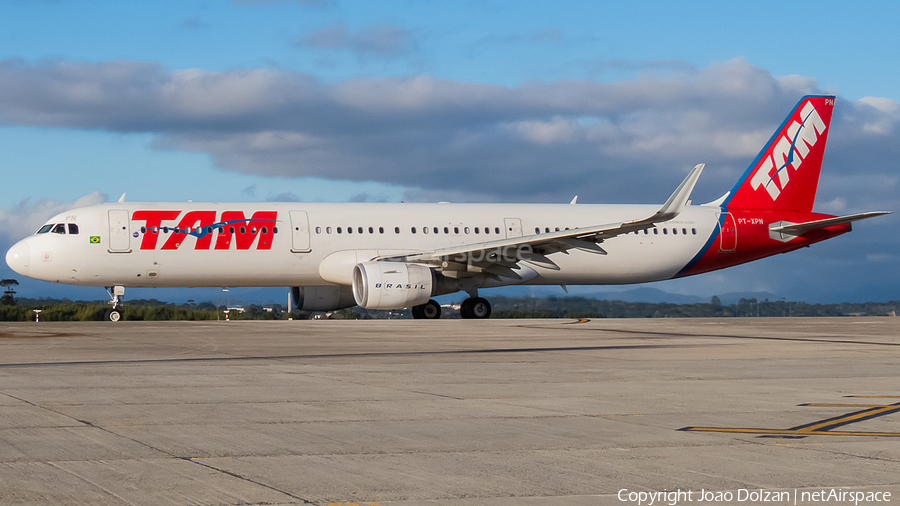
x=45 y=229
x=59 y=229
x=73 y=228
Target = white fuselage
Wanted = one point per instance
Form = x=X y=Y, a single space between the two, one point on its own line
x=308 y=248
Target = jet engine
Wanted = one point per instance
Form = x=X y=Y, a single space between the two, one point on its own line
x=392 y=285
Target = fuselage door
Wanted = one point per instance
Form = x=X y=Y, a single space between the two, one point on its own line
x=299 y=232
x=119 y=232
x=728 y=234
x=513 y=227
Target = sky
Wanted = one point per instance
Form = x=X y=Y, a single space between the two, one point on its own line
x=427 y=101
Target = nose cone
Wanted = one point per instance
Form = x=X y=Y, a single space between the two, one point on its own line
x=18 y=257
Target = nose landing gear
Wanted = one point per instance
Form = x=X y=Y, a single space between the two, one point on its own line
x=117 y=300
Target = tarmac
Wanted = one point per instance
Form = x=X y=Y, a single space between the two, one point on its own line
x=451 y=412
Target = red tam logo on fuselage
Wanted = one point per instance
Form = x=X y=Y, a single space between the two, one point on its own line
x=232 y=227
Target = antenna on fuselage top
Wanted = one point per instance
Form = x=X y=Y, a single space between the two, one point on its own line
x=122 y=198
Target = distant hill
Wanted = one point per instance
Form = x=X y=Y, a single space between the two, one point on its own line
x=645 y=294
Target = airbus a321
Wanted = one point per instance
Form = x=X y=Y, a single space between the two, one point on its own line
x=393 y=256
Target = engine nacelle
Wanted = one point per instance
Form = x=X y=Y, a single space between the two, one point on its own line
x=321 y=298
x=391 y=285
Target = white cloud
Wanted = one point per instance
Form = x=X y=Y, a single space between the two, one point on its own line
x=381 y=39
x=619 y=141
x=26 y=217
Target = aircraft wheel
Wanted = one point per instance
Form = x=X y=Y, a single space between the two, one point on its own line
x=431 y=310
x=475 y=308
x=465 y=309
x=480 y=308
x=112 y=315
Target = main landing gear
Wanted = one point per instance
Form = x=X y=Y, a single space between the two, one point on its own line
x=430 y=310
x=472 y=308
x=117 y=300
x=475 y=307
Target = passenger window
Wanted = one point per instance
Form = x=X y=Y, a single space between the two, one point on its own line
x=349 y=230
x=371 y=230
x=665 y=231
x=380 y=230
x=265 y=230
x=396 y=230
x=655 y=231
x=252 y=230
x=694 y=231
x=537 y=230
x=674 y=231
x=60 y=229
x=446 y=230
x=455 y=230
x=684 y=231
x=359 y=230
x=339 y=230
x=73 y=228
x=274 y=230
x=425 y=230
x=243 y=230
x=327 y=230
x=413 y=229
x=497 y=230
x=143 y=230
x=318 y=230
x=466 y=230
x=487 y=230
x=476 y=230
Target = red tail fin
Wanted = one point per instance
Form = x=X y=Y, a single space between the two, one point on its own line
x=786 y=172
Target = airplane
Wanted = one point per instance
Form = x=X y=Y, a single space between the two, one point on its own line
x=401 y=255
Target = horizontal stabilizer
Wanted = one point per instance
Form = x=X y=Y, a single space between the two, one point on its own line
x=801 y=228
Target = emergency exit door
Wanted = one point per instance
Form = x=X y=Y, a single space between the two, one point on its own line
x=119 y=232
x=728 y=234
x=513 y=227
x=299 y=232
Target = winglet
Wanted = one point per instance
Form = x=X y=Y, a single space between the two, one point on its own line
x=679 y=198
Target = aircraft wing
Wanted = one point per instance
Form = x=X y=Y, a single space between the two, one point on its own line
x=801 y=228
x=499 y=256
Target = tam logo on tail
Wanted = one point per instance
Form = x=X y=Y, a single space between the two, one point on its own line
x=785 y=174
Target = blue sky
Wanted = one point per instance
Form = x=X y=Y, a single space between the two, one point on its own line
x=334 y=100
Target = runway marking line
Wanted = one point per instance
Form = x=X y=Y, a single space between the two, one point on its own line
x=824 y=427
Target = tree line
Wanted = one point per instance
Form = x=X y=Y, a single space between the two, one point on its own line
x=503 y=307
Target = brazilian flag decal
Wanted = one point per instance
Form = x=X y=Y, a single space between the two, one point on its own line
x=95 y=239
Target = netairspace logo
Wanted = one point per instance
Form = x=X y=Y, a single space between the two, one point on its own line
x=746 y=496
